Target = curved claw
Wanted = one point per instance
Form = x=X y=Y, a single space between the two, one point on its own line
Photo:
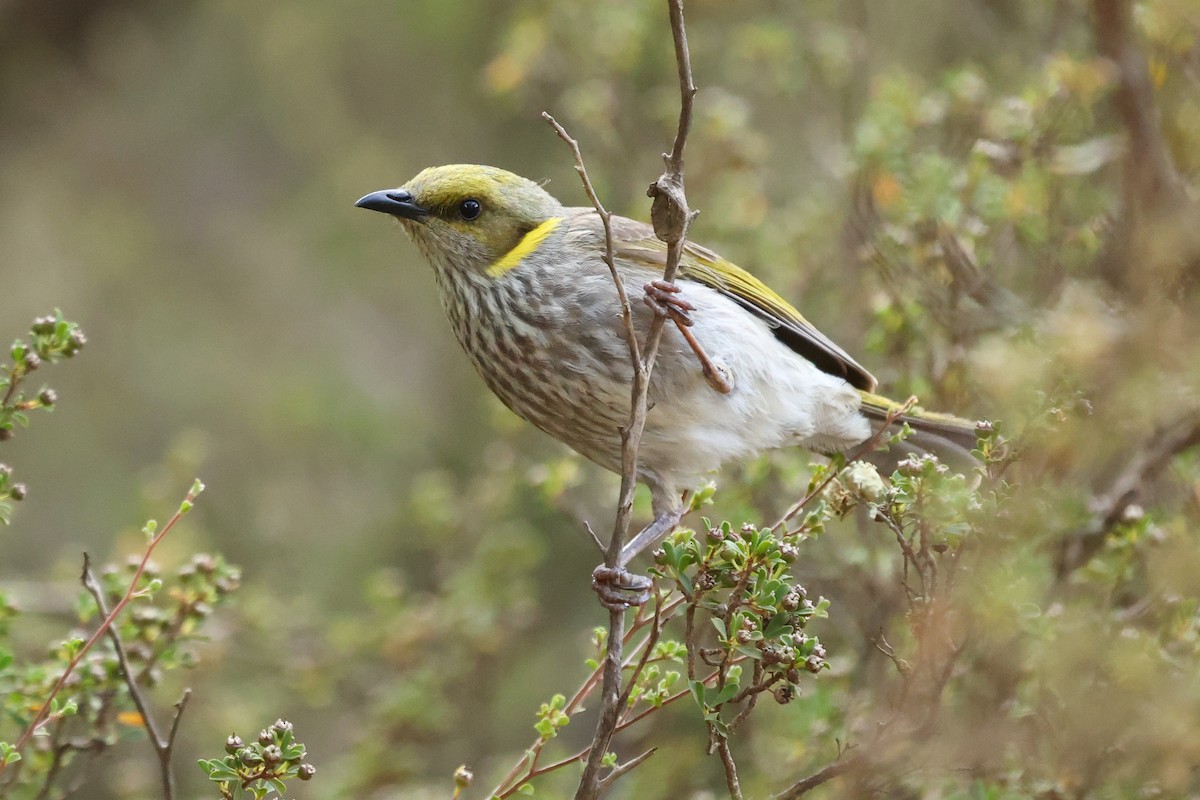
x=618 y=588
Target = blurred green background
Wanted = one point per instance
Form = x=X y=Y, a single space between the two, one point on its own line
x=179 y=179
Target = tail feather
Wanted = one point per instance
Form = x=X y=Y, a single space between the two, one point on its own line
x=949 y=437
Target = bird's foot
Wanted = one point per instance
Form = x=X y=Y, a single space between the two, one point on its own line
x=618 y=588
x=663 y=297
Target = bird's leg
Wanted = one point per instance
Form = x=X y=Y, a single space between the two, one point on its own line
x=619 y=588
x=712 y=373
x=652 y=534
x=663 y=297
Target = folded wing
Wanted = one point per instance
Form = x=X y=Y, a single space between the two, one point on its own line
x=635 y=241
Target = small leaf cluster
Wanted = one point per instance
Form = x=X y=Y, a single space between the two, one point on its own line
x=740 y=579
x=929 y=508
x=927 y=492
x=51 y=339
x=654 y=685
x=261 y=767
x=651 y=685
x=551 y=717
x=8 y=754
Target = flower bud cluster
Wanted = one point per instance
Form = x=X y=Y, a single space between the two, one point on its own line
x=274 y=757
x=51 y=339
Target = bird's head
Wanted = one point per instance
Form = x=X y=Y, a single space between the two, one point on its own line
x=471 y=218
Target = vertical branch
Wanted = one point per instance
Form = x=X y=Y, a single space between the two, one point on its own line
x=1152 y=188
x=731 y=778
x=1150 y=174
x=669 y=211
x=671 y=218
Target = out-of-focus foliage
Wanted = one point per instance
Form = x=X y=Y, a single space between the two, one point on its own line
x=94 y=709
x=969 y=195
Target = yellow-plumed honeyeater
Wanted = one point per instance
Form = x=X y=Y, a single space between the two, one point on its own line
x=532 y=302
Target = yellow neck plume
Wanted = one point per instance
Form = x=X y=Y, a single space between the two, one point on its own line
x=528 y=244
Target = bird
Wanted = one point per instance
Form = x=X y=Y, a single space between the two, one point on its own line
x=524 y=283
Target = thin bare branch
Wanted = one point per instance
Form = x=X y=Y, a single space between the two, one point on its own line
x=671 y=219
x=1152 y=189
x=180 y=705
x=630 y=441
x=1150 y=172
x=731 y=778
x=1111 y=504
x=135 y=692
x=596 y=539
x=827 y=773
x=621 y=769
x=631 y=340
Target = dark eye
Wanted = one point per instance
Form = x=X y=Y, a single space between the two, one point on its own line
x=469 y=209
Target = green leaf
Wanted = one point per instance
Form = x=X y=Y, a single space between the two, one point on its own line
x=749 y=652
x=725 y=694
x=703 y=497
x=719 y=624
x=218 y=770
x=777 y=625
